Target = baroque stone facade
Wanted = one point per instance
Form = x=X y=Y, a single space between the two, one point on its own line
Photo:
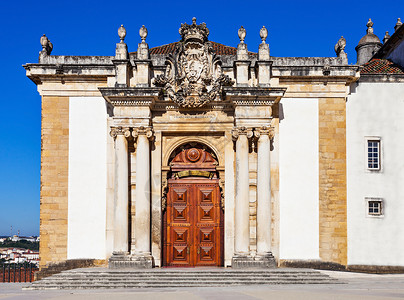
x=198 y=154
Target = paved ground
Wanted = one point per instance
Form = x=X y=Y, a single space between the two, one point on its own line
x=358 y=286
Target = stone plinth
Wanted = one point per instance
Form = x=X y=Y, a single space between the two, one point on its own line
x=125 y=261
x=249 y=262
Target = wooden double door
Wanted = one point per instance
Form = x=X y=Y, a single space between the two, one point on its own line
x=193 y=223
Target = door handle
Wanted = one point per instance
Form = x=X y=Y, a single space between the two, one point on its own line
x=199 y=250
x=187 y=250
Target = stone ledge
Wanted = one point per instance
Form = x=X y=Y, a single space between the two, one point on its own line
x=258 y=262
x=376 y=269
x=311 y=264
x=122 y=261
x=54 y=268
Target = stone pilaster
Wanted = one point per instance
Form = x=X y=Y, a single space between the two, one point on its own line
x=332 y=180
x=54 y=180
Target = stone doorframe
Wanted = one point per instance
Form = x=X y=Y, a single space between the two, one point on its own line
x=165 y=143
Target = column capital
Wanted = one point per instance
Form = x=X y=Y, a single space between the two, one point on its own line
x=237 y=131
x=142 y=130
x=264 y=130
x=115 y=131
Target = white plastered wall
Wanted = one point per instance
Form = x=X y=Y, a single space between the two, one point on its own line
x=299 y=179
x=376 y=110
x=87 y=178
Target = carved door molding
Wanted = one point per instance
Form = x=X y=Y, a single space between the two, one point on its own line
x=193 y=219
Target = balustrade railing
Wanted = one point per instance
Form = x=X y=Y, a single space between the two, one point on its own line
x=17 y=272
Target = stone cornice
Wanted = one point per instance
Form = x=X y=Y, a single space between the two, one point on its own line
x=40 y=73
x=385 y=78
x=254 y=95
x=131 y=96
x=325 y=72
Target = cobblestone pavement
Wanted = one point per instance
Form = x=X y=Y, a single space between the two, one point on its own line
x=358 y=286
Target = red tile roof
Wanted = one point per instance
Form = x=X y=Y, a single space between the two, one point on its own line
x=381 y=66
x=219 y=49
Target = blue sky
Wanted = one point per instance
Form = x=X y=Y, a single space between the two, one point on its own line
x=296 y=28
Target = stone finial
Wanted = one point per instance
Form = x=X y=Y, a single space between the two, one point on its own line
x=398 y=24
x=44 y=41
x=386 y=37
x=263 y=34
x=241 y=34
x=369 y=24
x=46 y=49
x=143 y=48
x=340 y=46
x=121 y=51
x=193 y=21
x=122 y=33
x=143 y=33
x=46 y=44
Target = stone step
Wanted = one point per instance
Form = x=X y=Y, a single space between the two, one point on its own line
x=190 y=276
x=166 y=278
x=59 y=279
x=176 y=280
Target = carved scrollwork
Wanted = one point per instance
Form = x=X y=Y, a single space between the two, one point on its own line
x=221 y=186
x=237 y=131
x=115 y=131
x=142 y=130
x=164 y=189
x=264 y=130
x=193 y=75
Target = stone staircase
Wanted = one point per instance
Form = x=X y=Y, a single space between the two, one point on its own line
x=102 y=278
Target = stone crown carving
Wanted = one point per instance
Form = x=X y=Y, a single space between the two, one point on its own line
x=193 y=75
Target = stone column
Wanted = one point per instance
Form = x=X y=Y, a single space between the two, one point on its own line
x=242 y=209
x=121 y=190
x=264 y=258
x=263 y=192
x=142 y=201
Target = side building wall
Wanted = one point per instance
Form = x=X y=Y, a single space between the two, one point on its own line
x=87 y=178
x=299 y=180
x=73 y=179
x=375 y=110
x=54 y=179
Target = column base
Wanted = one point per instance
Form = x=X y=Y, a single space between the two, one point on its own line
x=257 y=262
x=125 y=261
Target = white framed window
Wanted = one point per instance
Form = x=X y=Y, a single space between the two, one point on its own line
x=375 y=207
x=373 y=154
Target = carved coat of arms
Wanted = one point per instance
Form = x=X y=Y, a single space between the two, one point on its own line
x=193 y=75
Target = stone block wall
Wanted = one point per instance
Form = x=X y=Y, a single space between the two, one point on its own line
x=332 y=181
x=54 y=179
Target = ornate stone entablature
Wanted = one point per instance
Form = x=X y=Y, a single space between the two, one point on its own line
x=193 y=75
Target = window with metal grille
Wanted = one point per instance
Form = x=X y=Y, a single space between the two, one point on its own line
x=375 y=206
x=373 y=154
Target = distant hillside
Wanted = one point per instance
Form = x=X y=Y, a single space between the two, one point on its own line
x=20 y=244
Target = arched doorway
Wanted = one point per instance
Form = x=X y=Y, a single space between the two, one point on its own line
x=193 y=217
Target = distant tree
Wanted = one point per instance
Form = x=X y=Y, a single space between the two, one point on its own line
x=20 y=244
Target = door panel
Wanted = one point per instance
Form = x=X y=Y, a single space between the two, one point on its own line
x=207 y=225
x=178 y=229
x=193 y=234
